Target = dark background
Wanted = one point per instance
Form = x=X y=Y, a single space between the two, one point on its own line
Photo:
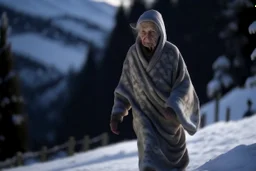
x=202 y=30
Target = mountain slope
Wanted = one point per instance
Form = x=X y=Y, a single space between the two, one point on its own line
x=49 y=41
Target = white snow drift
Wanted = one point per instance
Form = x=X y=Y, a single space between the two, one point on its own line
x=221 y=146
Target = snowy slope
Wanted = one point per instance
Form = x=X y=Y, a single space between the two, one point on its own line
x=236 y=100
x=49 y=52
x=82 y=9
x=210 y=149
x=40 y=28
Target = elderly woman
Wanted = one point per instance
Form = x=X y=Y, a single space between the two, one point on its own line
x=156 y=85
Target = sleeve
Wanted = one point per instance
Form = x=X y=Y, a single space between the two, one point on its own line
x=121 y=104
x=183 y=98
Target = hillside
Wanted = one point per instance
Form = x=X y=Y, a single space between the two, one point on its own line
x=211 y=149
x=49 y=41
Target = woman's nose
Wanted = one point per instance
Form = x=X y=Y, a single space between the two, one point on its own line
x=147 y=37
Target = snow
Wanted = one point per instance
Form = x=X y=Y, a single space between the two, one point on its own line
x=253 y=55
x=80 y=9
x=222 y=62
x=252 y=28
x=82 y=31
x=236 y=100
x=251 y=82
x=211 y=148
x=226 y=80
x=213 y=87
x=116 y=2
x=48 y=51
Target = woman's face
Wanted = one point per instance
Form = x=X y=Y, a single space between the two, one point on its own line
x=148 y=34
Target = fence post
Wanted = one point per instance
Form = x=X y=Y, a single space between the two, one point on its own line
x=217 y=102
x=43 y=154
x=105 y=139
x=86 y=143
x=228 y=114
x=19 y=159
x=71 y=146
x=203 y=118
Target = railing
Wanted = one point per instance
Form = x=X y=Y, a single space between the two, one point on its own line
x=203 y=117
x=68 y=149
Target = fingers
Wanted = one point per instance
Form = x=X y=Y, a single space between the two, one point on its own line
x=114 y=127
x=169 y=114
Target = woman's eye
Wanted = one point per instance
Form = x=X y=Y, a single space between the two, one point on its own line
x=152 y=33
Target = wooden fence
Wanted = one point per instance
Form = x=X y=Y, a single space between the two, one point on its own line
x=68 y=148
x=216 y=112
x=203 y=117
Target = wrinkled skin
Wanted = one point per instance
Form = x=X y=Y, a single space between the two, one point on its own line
x=148 y=34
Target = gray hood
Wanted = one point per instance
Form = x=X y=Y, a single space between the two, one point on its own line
x=155 y=17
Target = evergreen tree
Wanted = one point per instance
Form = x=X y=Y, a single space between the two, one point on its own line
x=222 y=80
x=136 y=9
x=252 y=31
x=194 y=31
x=168 y=9
x=238 y=44
x=13 y=119
x=79 y=111
x=117 y=47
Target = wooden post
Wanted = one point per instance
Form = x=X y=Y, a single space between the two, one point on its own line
x=105 y=139
x=203 y=117
x=86 y=143
x=19 y=158
x=228 y=114
x=217 y=102
x=71 y=146
x=43 y=154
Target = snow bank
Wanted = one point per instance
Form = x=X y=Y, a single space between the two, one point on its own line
x=213 y=87
x=209 y=149
x=240 y=158
x=223 y=138
x=251 y=82
x=236 y=100
x=50 y=52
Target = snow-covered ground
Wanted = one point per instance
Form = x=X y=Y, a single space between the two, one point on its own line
x=219 y=147
x=50 y=52
x=236 y=100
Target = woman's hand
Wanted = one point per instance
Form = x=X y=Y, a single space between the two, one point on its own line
x=169 y=114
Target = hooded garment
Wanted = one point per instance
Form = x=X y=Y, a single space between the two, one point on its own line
x=148 y=88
